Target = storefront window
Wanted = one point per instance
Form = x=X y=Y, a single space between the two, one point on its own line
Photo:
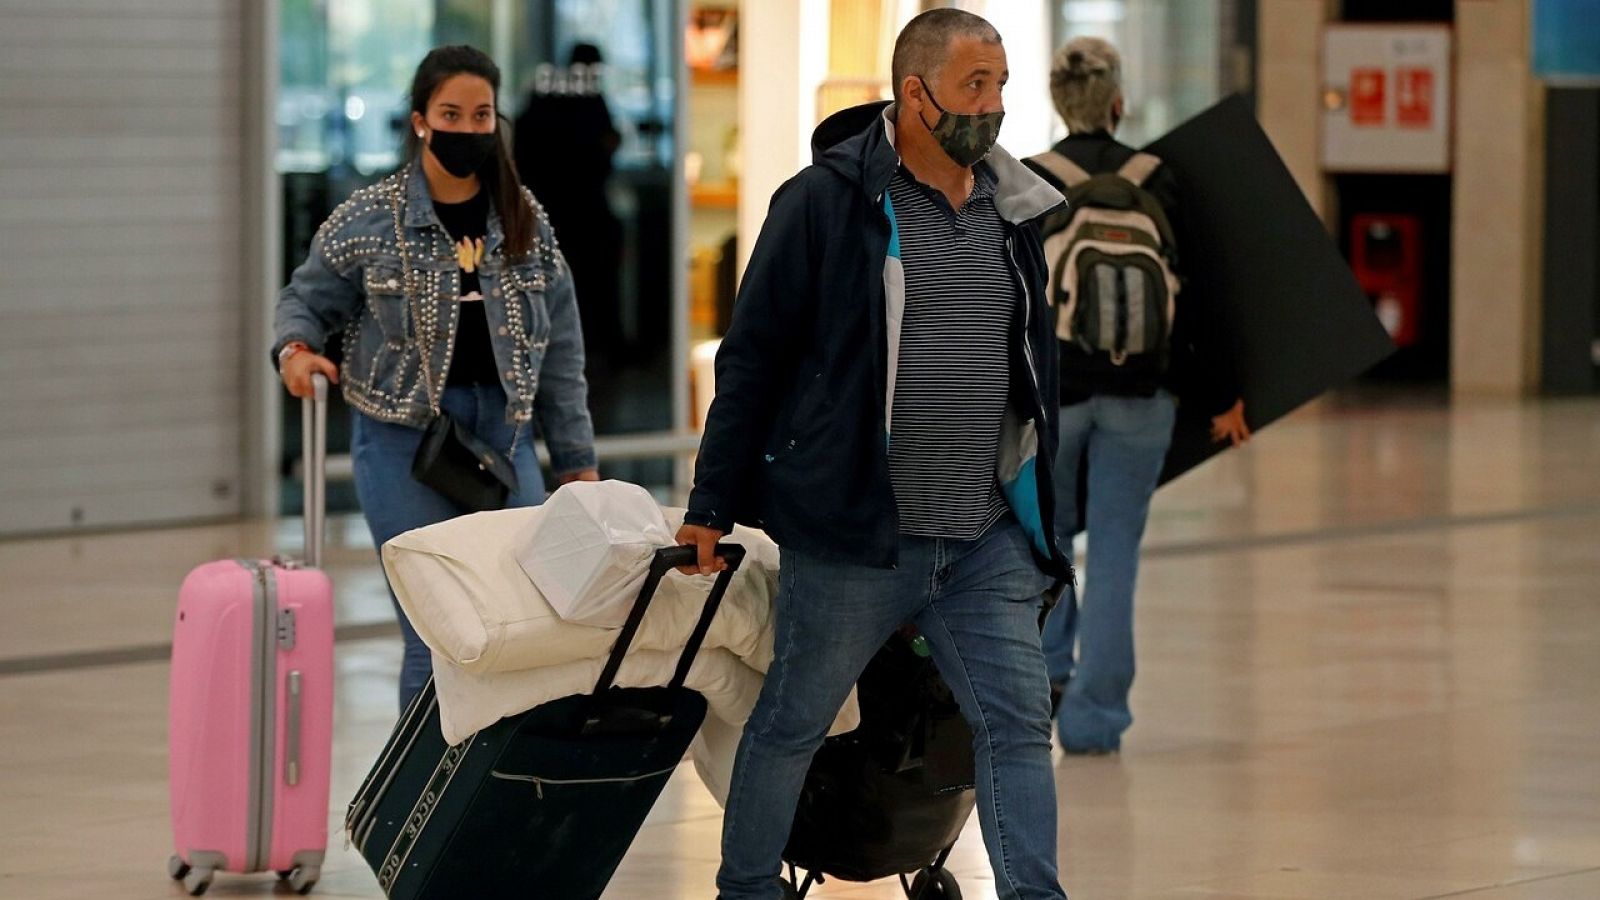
x=595 y=101
x=1172 y=56
x=344 y=70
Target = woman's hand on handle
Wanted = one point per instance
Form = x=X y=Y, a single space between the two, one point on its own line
x=299 y=367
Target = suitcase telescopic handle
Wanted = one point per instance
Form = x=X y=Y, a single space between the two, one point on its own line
x=688 y=555
x=314 y=466
x=666 y=559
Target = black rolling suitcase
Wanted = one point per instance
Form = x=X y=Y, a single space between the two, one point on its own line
x=891 y=797
x=539 y=805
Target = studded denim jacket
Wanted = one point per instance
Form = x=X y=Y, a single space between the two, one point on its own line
x=355 y=281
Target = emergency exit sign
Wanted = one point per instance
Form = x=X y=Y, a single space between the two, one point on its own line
x=1386 y=98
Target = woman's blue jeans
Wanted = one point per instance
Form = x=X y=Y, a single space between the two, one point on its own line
x=1088 y=637
x=394 y=502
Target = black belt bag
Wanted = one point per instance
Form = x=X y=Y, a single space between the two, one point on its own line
x=460 y=465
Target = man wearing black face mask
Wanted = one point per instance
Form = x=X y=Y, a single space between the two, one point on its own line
x=881 y=410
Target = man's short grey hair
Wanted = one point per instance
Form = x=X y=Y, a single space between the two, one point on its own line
x=1085 y=82
x=925 y=42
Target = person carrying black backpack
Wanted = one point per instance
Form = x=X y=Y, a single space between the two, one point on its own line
x=1132 y=344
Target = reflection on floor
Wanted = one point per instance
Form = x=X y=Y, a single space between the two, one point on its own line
x=1370 y=668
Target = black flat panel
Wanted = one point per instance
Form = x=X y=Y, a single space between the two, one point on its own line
x=1255 y=249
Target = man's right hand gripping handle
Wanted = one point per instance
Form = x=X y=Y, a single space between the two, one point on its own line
x=705 y=541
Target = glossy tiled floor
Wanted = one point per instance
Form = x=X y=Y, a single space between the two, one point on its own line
x=1370 y=668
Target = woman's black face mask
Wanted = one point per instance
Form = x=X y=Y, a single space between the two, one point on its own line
x=462 y=153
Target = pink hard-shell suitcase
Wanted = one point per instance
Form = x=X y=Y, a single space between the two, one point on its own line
x=251 y=718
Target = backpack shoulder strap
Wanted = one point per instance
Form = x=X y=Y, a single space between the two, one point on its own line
x=1065 y=170
x=1139 y=167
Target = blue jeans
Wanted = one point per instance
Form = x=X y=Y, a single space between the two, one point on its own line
x=1126 y=439
x=394 y=502
x=977 y=603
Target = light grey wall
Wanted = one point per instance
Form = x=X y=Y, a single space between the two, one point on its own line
x=123 y=299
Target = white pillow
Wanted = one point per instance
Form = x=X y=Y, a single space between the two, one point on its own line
x=590 y=552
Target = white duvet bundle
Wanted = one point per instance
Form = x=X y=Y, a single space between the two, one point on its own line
x=523 y=606
x=466 y=588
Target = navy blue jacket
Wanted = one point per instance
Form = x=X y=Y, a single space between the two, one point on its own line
x=795 y=441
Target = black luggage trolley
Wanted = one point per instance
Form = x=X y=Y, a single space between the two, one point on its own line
x=540 y=804
x=891 y=797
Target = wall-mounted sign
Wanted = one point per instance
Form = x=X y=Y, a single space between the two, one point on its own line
x=1413 y=97
x=1386 y=98
x=1367 y=109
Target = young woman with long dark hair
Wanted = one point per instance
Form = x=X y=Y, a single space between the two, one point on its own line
x=458 y=316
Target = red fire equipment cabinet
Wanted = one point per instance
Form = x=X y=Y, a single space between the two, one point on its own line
x=1386 y=254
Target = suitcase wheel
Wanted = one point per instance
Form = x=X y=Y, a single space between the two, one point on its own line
x=303 y=878
x=196 y=881
x=935 y=884
x=176 y=867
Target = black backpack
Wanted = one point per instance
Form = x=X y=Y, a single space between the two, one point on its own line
x=1110 y=256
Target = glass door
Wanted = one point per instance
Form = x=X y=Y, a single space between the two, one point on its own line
x=1173 y=56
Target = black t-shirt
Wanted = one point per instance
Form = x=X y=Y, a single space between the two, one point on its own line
x=467 y=223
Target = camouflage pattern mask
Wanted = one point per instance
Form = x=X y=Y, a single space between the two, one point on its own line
x=964 y=137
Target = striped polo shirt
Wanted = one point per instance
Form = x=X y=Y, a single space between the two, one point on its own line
x=953 y=377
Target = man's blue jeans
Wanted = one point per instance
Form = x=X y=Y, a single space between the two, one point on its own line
x=394 y=502
x=1088 y=640
x=977 y=603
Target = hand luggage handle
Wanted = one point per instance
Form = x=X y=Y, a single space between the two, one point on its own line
x=688 y=555
x=292 y=688
x=314 y=466
x=670 y=558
